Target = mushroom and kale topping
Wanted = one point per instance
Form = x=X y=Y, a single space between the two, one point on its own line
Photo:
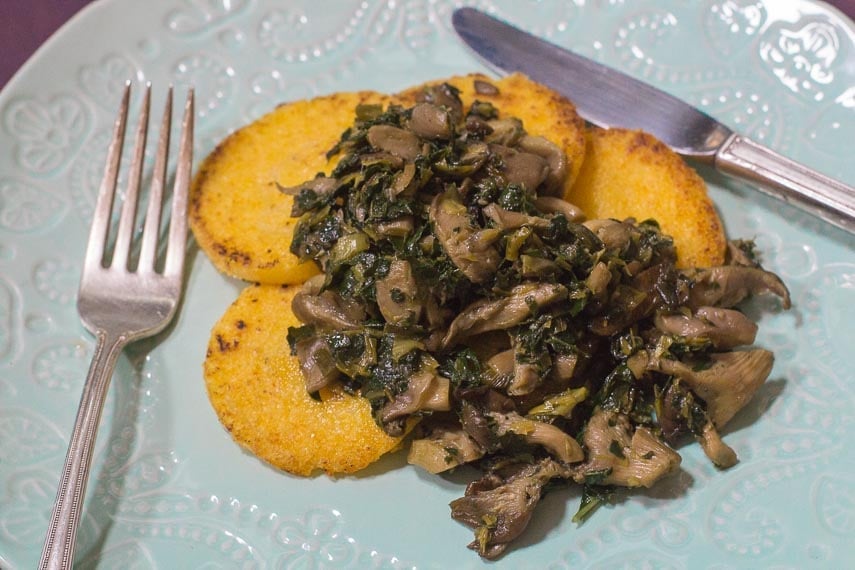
x=458 y=292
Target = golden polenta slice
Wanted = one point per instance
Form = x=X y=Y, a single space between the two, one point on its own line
x=544 y=112
x=258 y=392
x=238 y=215
x=633 y=174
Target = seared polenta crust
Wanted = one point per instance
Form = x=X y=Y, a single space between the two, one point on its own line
x=260 y=396
x=543 y=111
x=632 y=174
x=238 y=215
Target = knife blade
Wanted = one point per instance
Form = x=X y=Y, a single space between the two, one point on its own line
x=607 y=97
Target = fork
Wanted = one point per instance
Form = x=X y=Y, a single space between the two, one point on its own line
x=119 y=303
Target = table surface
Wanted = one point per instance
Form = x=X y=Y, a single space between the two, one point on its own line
x=26 y=24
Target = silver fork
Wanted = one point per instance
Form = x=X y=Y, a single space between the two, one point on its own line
x=119 y=304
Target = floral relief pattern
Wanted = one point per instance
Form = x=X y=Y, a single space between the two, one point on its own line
x=167 y=476
x=315 y=541
x=105 y=80
x=802 y=57
x=26 y=208
x=47 y=132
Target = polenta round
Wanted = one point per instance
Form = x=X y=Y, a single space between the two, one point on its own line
x=258 y=392
x=632 y=174
x=237 y=213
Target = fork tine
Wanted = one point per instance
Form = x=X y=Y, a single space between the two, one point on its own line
x=104 y=204
x=178 y=225
x=151 y=230
x=125 y=233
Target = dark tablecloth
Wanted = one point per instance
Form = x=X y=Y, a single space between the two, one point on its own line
x=26 y=24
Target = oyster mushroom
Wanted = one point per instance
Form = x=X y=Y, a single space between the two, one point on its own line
x=327 y=310
x=558 y=443
x=728 y=285
x=500 y=510
x=510 y=220
x=721 y=454
x=321 y=186
x=397 y=294
x=630 y=460
x=393 y=140
x=554 y=157
x=471 y=251
x=724 y=328
x=724 y=381
x=553 y=205
x=316 y=363
x=444 y=447
x=431 y=122
x=523 y=168
x=503 y=313
x=425 y=391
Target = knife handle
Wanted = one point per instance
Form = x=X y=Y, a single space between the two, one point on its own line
x=789 y=181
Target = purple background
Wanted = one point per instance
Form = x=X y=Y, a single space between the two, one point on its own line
x=25 y=24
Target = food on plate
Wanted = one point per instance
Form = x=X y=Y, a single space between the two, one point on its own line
x=259 y=394
x=458 y=295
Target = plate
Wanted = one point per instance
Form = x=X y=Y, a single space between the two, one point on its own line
x=170 y=489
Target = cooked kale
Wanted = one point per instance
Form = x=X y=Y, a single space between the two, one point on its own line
x=458 y=289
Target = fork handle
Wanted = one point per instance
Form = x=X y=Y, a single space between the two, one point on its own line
x=58 y=552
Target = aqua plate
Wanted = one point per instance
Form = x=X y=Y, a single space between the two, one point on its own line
x=170 y=489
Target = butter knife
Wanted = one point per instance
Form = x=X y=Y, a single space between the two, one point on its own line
x=609 y=98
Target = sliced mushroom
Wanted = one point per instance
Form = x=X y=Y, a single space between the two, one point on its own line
x=741 y=253
x=476 y=404
x=397 y=295
x=431 y=122
x=653 y=288
x=553 y=205
x=396 y=141
x=425 y=391
x=473 y=157
x=444 y=95
x=503 y=313
x=485 y=87
x=728 y=285
x=724 y=328
x=400 y=228
x=523 y=168
x=555 y=158
x=322 y=186
x=404 y=183
x=500 y=368
x=499 y=513
x=527 y=376
x=598 y=281
x=724 y=381
x=636 y=460
x=553 y=439
x=327 y=310
x=719 y=452
x=505 y=132
x=444 y=448
x=475 y=256
x=316 y=363
x=614 y=234
x=510 y=220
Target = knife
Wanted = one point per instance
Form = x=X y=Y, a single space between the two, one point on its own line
x=608 y=98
